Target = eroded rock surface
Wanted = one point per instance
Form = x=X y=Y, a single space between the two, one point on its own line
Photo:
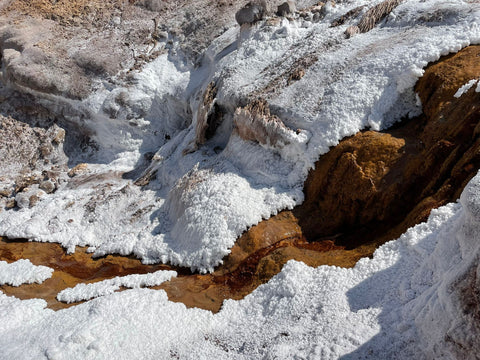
x=38 y=36
x=255 y=123
x=381 y=179
x=32 y=162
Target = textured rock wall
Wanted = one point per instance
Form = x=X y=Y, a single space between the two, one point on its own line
x=380 y=179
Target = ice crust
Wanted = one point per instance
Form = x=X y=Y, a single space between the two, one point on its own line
x=202 y=198
x=89 y=291
x=407 y=302
x=23 y=272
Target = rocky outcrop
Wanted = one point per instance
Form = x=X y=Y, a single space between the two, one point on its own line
x=371 y=17
x=251 y=13
x=397 y=176
x=286 y=8
x=32 y=162
x=255 y=123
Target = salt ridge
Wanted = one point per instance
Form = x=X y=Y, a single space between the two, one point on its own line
x=23 y=272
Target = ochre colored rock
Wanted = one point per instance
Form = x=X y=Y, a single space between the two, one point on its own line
x=281 y=227
x=443 y=78
x=379 y=184
x=348 y=185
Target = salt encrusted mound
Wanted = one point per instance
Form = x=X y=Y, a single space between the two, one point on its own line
x=447 y=313
x=152 y=189
x=23 y=272
x=415 y=299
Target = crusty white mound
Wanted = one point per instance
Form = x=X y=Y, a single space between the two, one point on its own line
x=201 y=197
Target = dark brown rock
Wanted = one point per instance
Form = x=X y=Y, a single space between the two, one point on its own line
x=286 y=8
x=251 y=13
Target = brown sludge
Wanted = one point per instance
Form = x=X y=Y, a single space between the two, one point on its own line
x=367 y=190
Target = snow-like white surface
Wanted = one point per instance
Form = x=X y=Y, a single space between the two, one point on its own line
x=464 y=88
x=117 y=326
x=417 y=298
x=23 y=272
x=407 y=302
x=201 y=199
x=89 y=291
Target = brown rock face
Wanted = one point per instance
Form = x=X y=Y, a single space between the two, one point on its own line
x=348 y=186
x=365 y=191
x=375 y=181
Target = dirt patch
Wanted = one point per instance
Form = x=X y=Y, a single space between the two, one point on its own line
x=65 y=11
